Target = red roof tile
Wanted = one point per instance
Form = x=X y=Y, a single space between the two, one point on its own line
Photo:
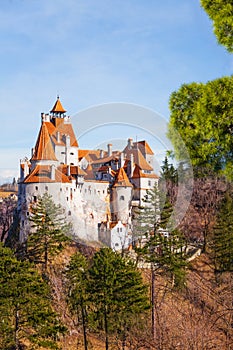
x=122 y=179
x=58 y=108
x=44 y=149
x=42 y=173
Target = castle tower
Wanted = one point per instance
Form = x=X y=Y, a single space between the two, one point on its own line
x=121 y=197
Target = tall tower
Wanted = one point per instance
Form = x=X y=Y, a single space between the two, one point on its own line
x=121 y=197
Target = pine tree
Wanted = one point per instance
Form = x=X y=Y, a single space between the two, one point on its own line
x=26 y=313
x=163 y=247
x=77 y=274
x=117 y=293
x=222 y=240
x=49 y=231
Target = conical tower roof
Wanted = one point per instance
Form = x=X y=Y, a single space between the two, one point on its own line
x=122 y=179
x=44 y=149
x=58 y=108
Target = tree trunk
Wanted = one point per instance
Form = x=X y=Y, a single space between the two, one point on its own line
x=106 y=327
x=153 y=302
x=16 y=329
x=84 y=327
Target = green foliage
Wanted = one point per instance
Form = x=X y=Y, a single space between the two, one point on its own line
x=168 y=173
x=116 y=291
x=49 y=231
x=77 y=274
x=164 y=247
x=25 y=307
x=221 y=13
x=202 y=114
x=222 y=240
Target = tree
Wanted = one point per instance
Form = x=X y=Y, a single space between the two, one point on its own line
x=26 y=313
x=77 y=275
x=210 y=104
x=221 y=13
x=164 y=247
x=49 y=231
x=117 y=293
x=222 y=239
x=7 y=208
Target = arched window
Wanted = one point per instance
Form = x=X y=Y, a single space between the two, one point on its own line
x=122 y=198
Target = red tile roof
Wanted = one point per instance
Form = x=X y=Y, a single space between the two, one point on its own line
x=59 y=125
x=42 y=173
x=122 y=179
x=44 y=149
x=58 y=108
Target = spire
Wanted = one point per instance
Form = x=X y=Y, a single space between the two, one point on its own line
x=44 y=149
x=58 y=108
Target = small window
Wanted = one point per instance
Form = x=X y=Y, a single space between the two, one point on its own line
x=63 y=152
x=34 y=199
x=69 y=212
x=46 y=188
x=71 y=153
x=36 y=188
x=122 y=198
x=149 y=183
x=118 y=230
x=67 y=198
x=121 y=229
x=116 y=244
x=71 y=163
x=60 y=189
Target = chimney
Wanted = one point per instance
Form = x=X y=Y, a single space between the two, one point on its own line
x=58 y=137
x=68 y=170
x=121 y=159
x=130 y=143
x=67 y=140
x=109 y=149
x=131 y=164
x=101 y=153
x=26 y=168
x=53 y=172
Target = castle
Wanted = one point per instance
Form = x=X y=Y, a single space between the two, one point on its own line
x=98 y=189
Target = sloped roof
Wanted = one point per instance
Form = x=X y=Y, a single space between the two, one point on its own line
x=122 y=179
x=138 y=173
x=144 y=147
x=89 y=173
x=59 y=125
x=138 y=158
x=74 y=170
x=44 y=149
x=42 y=173
x=58 y=108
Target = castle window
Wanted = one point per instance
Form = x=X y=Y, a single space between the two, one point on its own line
x=60 y=189
x=63 y=152
x=71 y=163
x=71 y=153
x=122 y=198
x=149 y=183
x=34 y=199
x=69 y=212
x=46 y=188
x=116 y=244
x=36 y=188
x=121 y=229
x=67 y=198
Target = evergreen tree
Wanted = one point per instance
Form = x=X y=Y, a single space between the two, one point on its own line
x=26 y=313
x=49 y=231
x=117 y=293
x=168 y=173
x=222 y=240
x=77 y=275
x=163 y=247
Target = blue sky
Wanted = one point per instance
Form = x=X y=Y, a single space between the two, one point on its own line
x=95 y=52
